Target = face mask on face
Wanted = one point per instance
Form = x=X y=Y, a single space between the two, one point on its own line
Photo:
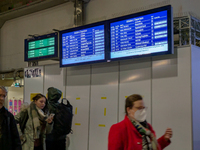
x=140 y=115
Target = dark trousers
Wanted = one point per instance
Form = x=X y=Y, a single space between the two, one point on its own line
x=56 y=145
x=38 y=147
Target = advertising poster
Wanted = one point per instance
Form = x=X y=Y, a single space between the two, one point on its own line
x=15 y=107
x=10 y=106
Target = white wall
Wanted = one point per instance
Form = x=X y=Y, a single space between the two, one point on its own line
x=171 y=97
x=104 y=103
x=163 y=81
x=78 y=93
x=15 y=31
x=135 y=78
x=54 y=76
x=115 y=8
x=15 y=93
x=195 y=55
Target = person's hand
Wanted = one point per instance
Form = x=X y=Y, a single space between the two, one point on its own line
x=168 y=134
x=49 y=119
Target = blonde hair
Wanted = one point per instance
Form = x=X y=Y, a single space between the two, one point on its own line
x=24 y=106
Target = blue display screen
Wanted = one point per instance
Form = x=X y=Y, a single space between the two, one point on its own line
x=84 y=45
x=142 y=35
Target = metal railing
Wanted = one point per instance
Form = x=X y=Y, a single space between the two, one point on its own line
x=187 y=30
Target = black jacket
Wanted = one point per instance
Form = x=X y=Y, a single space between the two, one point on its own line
x=10 y=137
x=54 y=95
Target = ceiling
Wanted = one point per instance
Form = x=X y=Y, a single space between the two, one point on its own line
x=10 y=10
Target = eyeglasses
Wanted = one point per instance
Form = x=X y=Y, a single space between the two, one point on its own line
x=2 y=95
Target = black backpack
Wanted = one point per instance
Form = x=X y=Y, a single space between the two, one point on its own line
x=63 y=119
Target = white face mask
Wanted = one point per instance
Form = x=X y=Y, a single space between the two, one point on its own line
x=140 y=115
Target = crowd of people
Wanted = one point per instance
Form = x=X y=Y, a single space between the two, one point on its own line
x=31 y=128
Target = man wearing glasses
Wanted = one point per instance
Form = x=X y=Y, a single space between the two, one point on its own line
x=9 y=136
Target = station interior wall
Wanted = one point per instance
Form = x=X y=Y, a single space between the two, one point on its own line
x=98 y=92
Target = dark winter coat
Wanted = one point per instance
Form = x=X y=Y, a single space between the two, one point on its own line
x=54 y=96
x=10 y=137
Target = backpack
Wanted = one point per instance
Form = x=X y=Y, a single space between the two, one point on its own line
x=63 y=119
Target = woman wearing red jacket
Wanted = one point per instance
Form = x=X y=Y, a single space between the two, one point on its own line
x=134 y=133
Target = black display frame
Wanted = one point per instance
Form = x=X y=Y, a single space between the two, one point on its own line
x=106 y=43
x=169 y=10
x=56 y=47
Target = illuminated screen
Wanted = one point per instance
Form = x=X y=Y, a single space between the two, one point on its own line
x=41 y=47
x=82 y=45
x=143 y=35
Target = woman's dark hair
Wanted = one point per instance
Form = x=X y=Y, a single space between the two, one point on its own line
x=37 y=97
x=130 y=100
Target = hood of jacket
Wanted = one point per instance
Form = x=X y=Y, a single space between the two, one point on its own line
x=54 y=95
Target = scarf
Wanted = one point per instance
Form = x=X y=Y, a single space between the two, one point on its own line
x=38 y=117
x=149 y=141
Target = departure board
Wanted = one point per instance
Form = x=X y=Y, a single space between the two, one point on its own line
x=41 y=47
x=142 y=35
x=83 y=45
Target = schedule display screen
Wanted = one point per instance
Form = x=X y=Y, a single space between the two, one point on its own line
x=41 y=47
x=143 y=35
x=82 y=45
